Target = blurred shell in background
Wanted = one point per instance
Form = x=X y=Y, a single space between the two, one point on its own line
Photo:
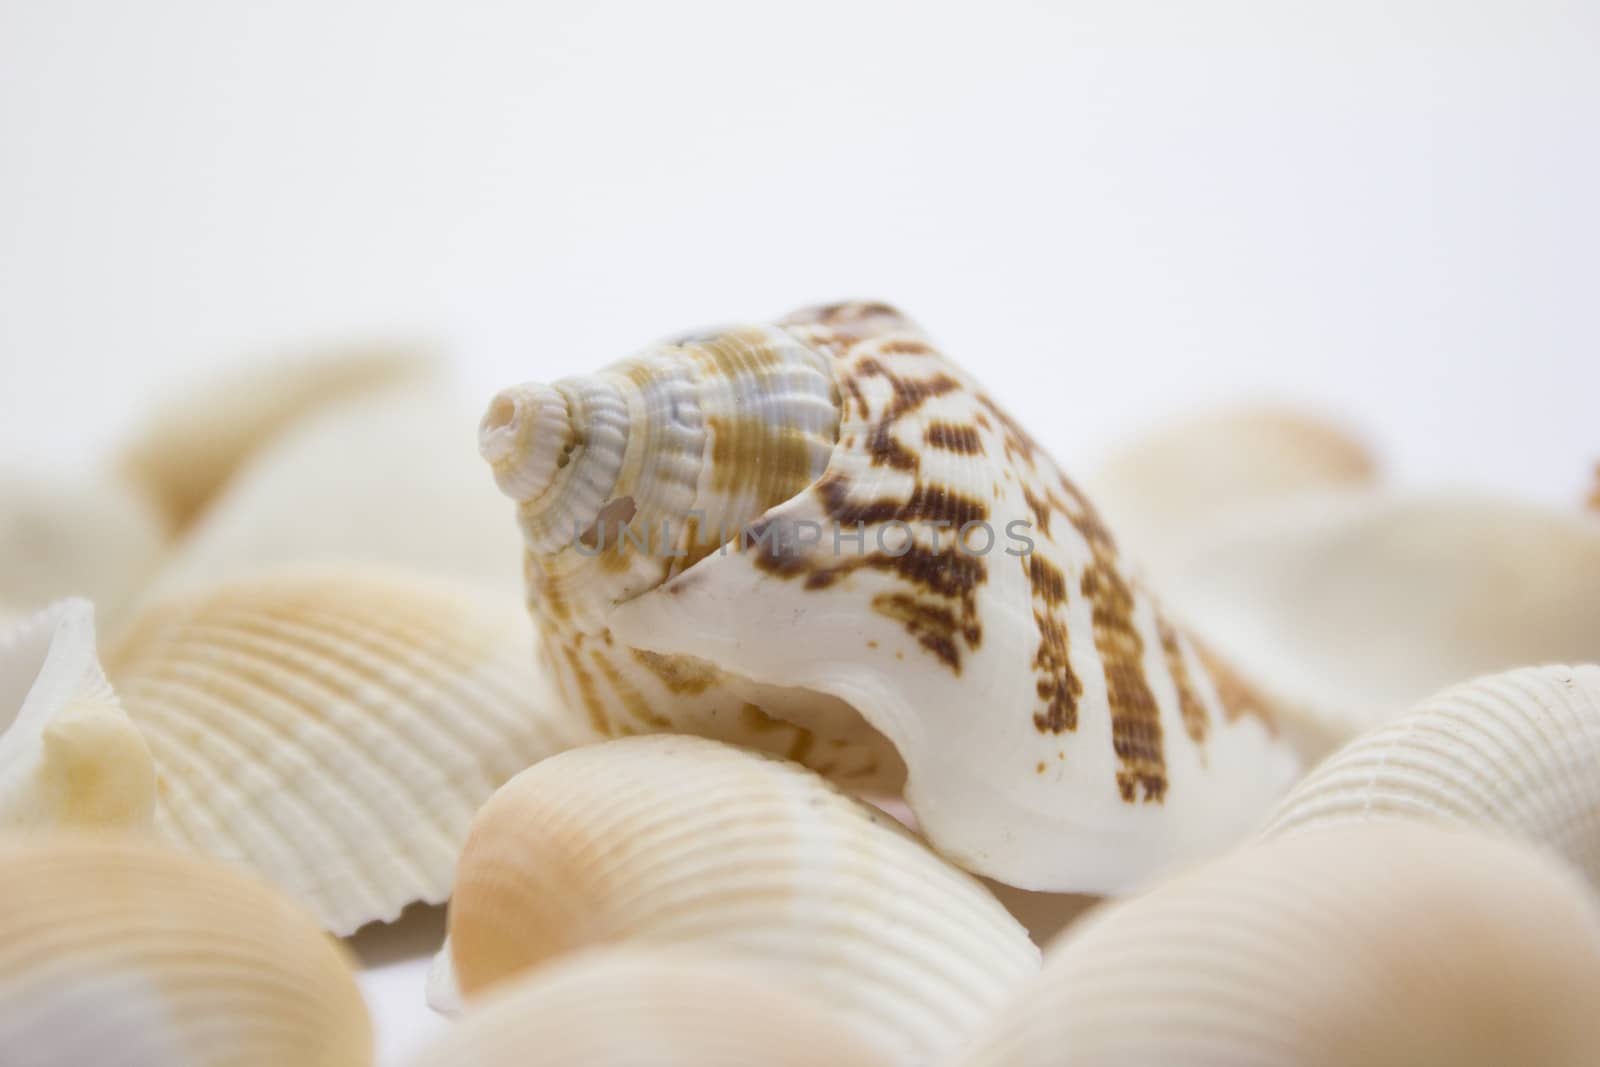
x=69 y=756
x=1516 y=752
x=1354 y=606
x=64 y=535
x=632 y=1008
x=120 y=952
x=335 y=729
x=193 y=441
x=1384 y=945
x=671 y=841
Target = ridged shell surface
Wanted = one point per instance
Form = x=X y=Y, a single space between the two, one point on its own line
x=1355 y=606
x=891 y=547
x=1161 y=487
x=117 y=952
x=630 y=1008
x=1517 y=752
x=72 y=535
x=192 y=443
x=1385 y=945
x=69 y=756
x=388 y=477
x=683 y=841
x=334 y=729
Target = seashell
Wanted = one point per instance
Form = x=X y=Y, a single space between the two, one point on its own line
x=1057 y=731
x=1594 y=494
x=1517 y=752
x=388 y=478
x=1384 y=945
x=68 y=754
x=192 y=443
x=666 y=1009
x=1157 y=489
x=63 y=535
x=117 y=952
x=334 y=729
x=678 y=840
x=1353 y=607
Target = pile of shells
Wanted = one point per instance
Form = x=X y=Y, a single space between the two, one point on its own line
x=796 y=701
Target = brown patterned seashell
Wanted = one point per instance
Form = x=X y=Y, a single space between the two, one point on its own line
x=334 y=729
x=115 y=951
x=1355 y=606
x=193 y=442
x=682 y=841
x=631 y=1008
x=1383 y=945
x=69 y=756
x=1518 y=753
x=1160 y=487
x=757 y=534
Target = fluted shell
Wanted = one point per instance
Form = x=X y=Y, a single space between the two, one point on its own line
x=388 y=478
x=191 y=444
x=71 y=535
x=1159 y=487
x=334 y=729
x=677 y=840
x=1385 y=945
x=69 y=756
x=120 y=952
x=1355 y=606
x=1058 y=732
x=631 y=1008
x=1517 y=752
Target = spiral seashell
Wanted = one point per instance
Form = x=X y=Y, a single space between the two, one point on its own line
x=69 y=756
x=192 y=443
x=113 y=951
x=65 y=535
x=333 y=730
x=1355 y=606
x=973 y=611
x=1516 y=752
x=621 y=1008
x=677 y=840
x=1383 y=945
x=1159 y=488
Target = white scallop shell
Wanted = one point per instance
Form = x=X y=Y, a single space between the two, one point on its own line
x=388 y=477
x=334 y=729
x=1355 y=606
x=1381 y=945
x=675 y=840
x=630 y=1008
x=1058 y=732
x=119 y=952
x=191 y=444
x=65 y=535
x=69 y=756
x=1158 y=488
x=1516 y=752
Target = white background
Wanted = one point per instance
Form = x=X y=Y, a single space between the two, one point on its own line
x=1109 y=210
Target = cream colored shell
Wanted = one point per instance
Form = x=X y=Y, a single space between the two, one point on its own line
x=1160 y=487
x=119 y=952
x=191 y=443
x=682 y=841
x=1517 y=752
x=69 y=756
x=64 y=534
x=1058 y=732
x=631 y=1008
x=1355 y=606
x=334 y=729
x=1382 y=945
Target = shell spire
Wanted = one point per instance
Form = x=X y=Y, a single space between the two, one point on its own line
x=821 y=537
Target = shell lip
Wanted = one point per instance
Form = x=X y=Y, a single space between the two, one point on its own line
x=40 y=661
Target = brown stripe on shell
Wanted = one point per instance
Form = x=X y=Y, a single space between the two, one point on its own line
x=680 y=674
x=951 y=437
x=1195 y=722
x=1058 y=685
x=1237 y=697
x=633 y=700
